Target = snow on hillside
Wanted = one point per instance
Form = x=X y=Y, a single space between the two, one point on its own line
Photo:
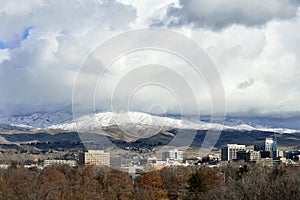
x=138 y=120
x=131 y=120
x=38 y=120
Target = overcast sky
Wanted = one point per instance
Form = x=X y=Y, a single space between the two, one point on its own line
x=255 y=46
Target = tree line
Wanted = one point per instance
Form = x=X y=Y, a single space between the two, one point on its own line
x=233 y=181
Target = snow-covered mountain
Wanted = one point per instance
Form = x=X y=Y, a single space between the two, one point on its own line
x=127 y=121
x=137 y=120
x=38 y=120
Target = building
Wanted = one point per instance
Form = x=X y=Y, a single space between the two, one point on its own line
x=94 y=157
x=292 y=155
x=115 y=162
x=248 y=155
x=267 y=147
x=265 y=154
x=172 y=155
x=71 y=163
x=152 y=160
x=263 y=144
x=229 y=151
x=143 y=161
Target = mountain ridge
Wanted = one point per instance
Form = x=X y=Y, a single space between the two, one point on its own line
x=133 y=128
x=63 y=120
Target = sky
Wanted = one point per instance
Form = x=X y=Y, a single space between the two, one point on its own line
x=254 y=45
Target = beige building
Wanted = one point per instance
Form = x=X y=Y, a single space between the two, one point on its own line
x=229 y=151
x=94 y=157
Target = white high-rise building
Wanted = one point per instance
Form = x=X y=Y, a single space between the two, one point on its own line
x=229 y=151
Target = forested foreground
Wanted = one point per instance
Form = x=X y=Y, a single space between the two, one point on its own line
x=234 y=181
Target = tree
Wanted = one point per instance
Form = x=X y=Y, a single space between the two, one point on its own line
x=118 y=185
x=51 y=183
x=150 y=186
x=175 y=181
x=201 y=181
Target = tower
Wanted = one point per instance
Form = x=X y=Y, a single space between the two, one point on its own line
x=274 y=147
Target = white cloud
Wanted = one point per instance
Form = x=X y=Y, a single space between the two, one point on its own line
x=259 y=65
x=42 y=68
x=264 y=61
x=4 y=55
x=147 y=10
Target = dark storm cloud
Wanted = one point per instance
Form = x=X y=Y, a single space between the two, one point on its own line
x=245 y=84
x=218 y=14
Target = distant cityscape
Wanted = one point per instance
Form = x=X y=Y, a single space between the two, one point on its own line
x=263 y=152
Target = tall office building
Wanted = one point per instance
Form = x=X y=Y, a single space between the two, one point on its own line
x=229 y=151
x=263 y=144
x=267 y=147
x=94 y=157
x=275 y=151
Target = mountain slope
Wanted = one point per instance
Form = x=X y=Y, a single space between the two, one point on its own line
x=137 y=120
x=39 y=119
x=129 y=127
x=46 y=130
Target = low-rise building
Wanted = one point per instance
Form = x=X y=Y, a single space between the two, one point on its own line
x=115 y=162
x=292 y=155
x=72 y=163
x=248 y=155
x=172 y=155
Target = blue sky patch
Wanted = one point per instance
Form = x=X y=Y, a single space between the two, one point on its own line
x=3 y=45
x=16 y=40
x=26 y=32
